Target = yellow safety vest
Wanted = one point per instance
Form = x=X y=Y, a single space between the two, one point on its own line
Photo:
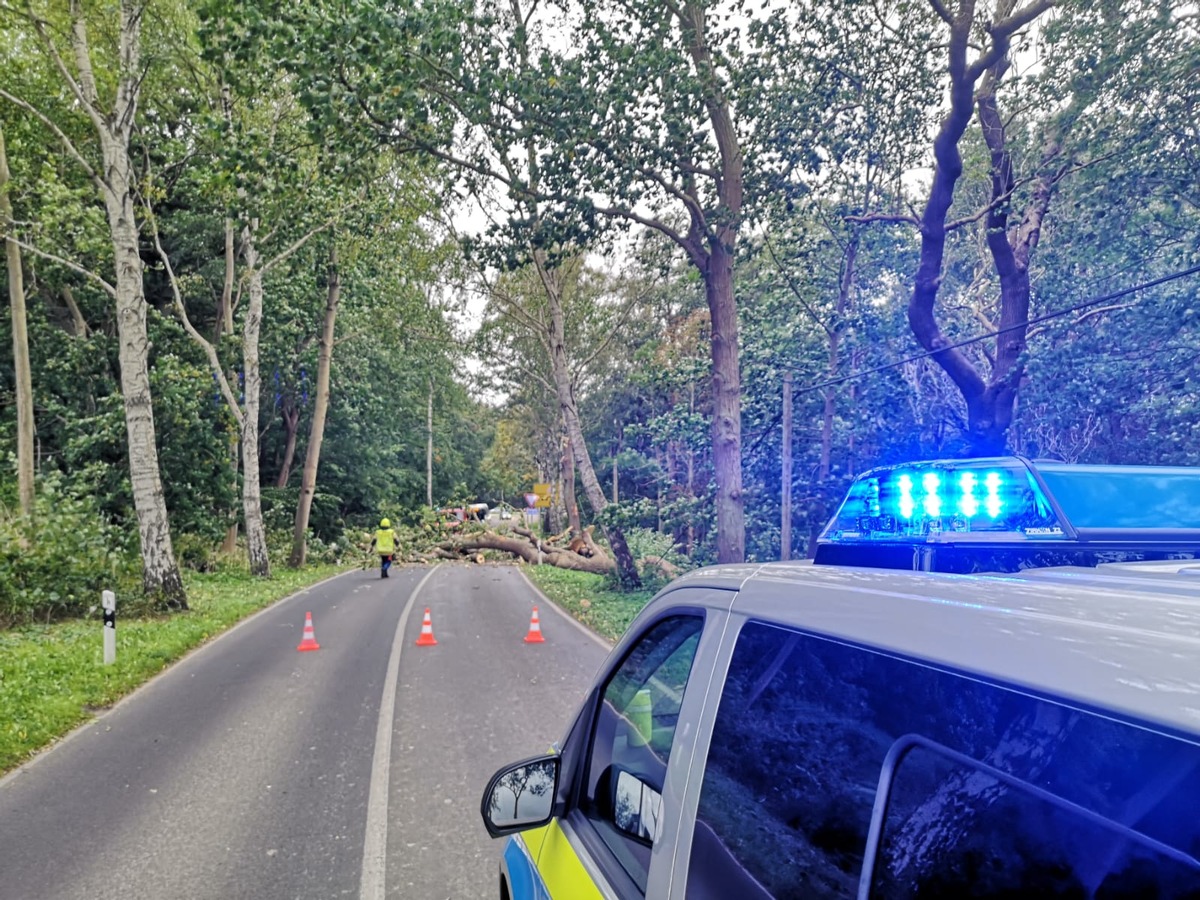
x=385 y=540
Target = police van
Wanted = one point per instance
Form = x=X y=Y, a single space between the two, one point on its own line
x=986 y=684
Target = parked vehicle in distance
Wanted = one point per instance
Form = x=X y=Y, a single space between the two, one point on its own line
x=827 y=729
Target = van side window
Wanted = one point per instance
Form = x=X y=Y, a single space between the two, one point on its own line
x=832 y=764
x=631 y=742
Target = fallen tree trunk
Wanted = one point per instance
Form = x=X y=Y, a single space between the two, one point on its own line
x=526 y=547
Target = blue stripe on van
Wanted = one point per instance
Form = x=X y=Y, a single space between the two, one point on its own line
x=524 y=880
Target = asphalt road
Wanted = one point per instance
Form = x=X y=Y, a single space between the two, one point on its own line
x=250 y=770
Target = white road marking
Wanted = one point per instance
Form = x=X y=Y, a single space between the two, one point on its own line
x=372 y=884
x=566 y=616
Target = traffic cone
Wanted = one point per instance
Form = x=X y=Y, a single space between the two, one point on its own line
x=535 y=630
x=310 y=639
x=426 y=639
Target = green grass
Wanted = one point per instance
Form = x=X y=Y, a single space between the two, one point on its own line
x=590 y=599
x=52 y=677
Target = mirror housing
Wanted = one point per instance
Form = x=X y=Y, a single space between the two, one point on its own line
x=521 y=796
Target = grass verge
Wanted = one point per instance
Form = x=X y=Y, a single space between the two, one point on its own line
x=590 y=599
x=53 y=677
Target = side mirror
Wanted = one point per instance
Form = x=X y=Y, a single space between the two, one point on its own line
x=637 y=807
x=521 y=796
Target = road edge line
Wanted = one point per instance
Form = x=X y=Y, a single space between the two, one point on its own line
x=372 y=882
x=156 y=677
x=602 y=641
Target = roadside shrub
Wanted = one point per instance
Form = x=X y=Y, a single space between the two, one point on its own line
x=196 y=552
x=279 y=508
x=657 y=559
x=55 y=565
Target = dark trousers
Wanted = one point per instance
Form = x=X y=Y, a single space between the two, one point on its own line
x=385 y=563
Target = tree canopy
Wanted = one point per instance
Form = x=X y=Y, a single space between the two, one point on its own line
x=584 y=243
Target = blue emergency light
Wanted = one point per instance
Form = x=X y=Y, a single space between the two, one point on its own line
x=994 y=499
x=1012 y=502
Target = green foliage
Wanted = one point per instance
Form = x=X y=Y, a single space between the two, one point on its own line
x=590 y=598
x=327 y=540
x=52 y=676
x=195 y=552
x=834 y=104
x=56 y=565
x=649 y=548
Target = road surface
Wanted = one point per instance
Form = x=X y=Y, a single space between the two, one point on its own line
x=251 y=770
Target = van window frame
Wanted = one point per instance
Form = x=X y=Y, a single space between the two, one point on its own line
x=740 y=619
x=617 y=878
x=909 y=742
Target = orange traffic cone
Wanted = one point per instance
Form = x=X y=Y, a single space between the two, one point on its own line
x=310 y=639
x=535 y=630
x=426 y=639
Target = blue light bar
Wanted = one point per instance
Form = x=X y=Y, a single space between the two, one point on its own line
x=993 y=500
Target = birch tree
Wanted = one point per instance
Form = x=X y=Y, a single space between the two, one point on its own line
x=114 y=119
x=246 y=412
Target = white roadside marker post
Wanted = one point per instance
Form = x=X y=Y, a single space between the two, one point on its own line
x=109 y=602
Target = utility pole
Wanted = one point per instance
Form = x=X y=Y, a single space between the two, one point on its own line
x=785 y=527
x=615 y=452
x=429 y=447
x=20 y=338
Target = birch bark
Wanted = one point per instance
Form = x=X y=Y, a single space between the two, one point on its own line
x=160 y=573
x=256 y=533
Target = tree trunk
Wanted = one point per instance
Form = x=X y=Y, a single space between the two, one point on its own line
x=981 y=403
x=291 y=424
x=567 y=480
x=256 y=533
x=560 y=369
x=225 y=327
x=114 y=180
x=79 y=327
x=1011 y=254
x=160 y=574
x=712 y=245
x=727 y=393
x=834 y=333
x=527 y=550
x=947 y=169
x=229 y=545
x=20 y=338
x=316 y=431
x=225 y=306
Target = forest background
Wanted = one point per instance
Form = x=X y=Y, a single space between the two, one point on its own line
x=247 y=320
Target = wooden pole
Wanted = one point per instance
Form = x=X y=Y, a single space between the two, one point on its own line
x=429 y=447
x=20 y=338
x=615 y=452
x=785 y=527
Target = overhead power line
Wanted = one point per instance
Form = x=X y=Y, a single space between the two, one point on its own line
x=1036 y=320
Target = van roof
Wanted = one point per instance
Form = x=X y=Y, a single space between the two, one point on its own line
x=1122 y=638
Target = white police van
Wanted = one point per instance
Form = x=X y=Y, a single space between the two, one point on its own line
x=986 y=685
